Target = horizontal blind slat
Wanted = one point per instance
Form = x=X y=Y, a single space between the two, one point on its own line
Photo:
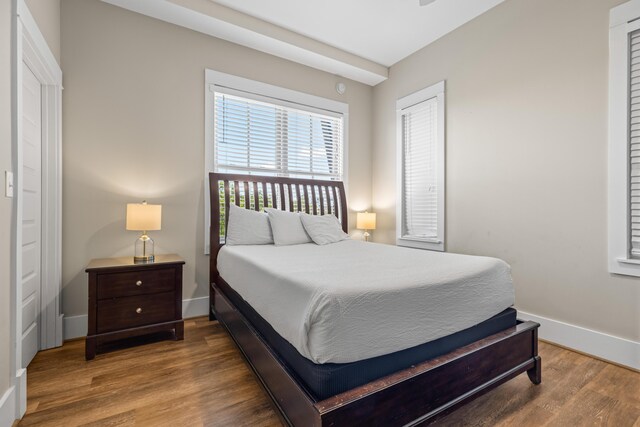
x=256 y=136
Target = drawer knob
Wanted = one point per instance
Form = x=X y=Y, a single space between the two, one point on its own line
x=138 y=310
x=139 y=283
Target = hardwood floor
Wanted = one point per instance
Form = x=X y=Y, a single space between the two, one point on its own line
x=203 y=380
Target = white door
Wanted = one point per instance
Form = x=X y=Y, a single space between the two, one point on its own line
x=31 y=212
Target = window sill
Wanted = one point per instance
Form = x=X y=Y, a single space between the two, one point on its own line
x=625 y=266
x=430 y=244
x=629 y=261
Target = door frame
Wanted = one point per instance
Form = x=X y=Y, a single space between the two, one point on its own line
x=30 y=47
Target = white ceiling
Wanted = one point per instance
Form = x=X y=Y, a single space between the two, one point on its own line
x=356 y=39
x=383 y=31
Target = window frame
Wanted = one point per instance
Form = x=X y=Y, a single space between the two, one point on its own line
x=435 y=91
x=623 y=20
x=252 y=89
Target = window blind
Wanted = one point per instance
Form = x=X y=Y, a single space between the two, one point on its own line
x=634 y=142
x=257 y=137
x=420 y=170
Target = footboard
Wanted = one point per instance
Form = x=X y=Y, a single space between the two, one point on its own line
x=422 y=393
x=413 y=396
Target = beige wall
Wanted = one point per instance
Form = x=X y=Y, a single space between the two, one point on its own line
x=526 y=154
x=133 y=129
x=5 y=203
x=47 y=15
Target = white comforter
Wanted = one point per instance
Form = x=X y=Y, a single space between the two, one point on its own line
x=353 y=300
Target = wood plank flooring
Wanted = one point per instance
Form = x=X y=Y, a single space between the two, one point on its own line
x=204 y=381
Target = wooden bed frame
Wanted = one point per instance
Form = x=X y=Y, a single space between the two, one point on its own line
x=413 y=396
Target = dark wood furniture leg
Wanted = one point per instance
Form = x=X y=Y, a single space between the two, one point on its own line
x=535 y=373
x=90 y=349
x=180 y=331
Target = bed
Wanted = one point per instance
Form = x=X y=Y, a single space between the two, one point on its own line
x=314 y=374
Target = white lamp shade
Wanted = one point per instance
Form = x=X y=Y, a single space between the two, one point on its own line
x=144 y=217
x=366 y=221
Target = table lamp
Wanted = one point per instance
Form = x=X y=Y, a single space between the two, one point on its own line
x=144 y=217
x=366 y=221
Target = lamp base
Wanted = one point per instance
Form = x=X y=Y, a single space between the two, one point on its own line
x=144 y=250
x=144 y=259
x=366 y=235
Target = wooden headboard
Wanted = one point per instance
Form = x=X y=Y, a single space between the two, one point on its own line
x=258 y=192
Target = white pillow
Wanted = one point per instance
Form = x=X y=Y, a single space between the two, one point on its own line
x=287 y=228
x=248 y=227
x=323 y=229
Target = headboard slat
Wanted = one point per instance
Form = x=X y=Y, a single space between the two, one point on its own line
x=290 y=197
x=343 y=201
x=265 y=195
x=226 y=205
x=236 y=192
x=256 y=197
x=336 y=198
x=321 y=191
x=283 y=206
x=316 y=196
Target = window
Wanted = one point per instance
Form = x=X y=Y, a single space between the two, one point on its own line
x=420 y=124
x=258 y=129
x=624 y=139
x=265 y=138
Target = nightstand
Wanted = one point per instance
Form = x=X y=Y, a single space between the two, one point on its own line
x=128 y=300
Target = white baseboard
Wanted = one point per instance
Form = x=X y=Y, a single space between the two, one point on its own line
x=8 y=407
x=195 y=307
x=21 y=393
x=608 y=347
x=76 y=326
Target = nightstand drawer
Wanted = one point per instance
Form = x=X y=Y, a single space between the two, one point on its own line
x=114 y=285
x=129 y=312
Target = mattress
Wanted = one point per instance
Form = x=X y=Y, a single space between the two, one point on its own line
x=353 y=300
x=329 y=379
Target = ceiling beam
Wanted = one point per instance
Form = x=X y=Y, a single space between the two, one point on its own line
x=216 y=20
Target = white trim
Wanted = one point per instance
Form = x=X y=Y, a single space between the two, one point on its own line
x=45 y=63
x=51 y=269
x=76 y=326
x=228 y=83
x=603 y=346
x=420 y=95
x=21 y=392
x=624 y=13
x=17 y=214
x=224 y=80
x=228 y=24
x=8 y=407
x=35 y=52
x=29 y=47
x=620 y=19
x=628 y=261
x=195 y=307
x=435 y=90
